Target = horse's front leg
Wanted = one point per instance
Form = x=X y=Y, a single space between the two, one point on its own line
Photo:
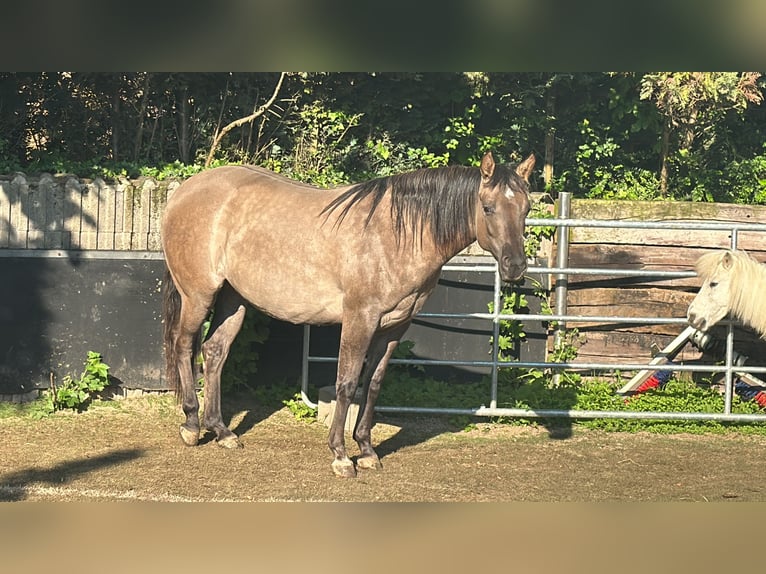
x=381 y=349
x=355 y=338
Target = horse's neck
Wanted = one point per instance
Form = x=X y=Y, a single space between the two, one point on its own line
x=750 y=305
x=456 y=246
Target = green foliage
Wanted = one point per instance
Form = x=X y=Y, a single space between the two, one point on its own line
x=464 y=142
x=602 y=176
x=511 y=331
x=323 y=142
x=676 y=396
x=38 y=409
x=175 y=170
x=534 y=390
x=300 y=410
x=77 y=393
x=535 y=234
x=242 y=363
x=334 y=128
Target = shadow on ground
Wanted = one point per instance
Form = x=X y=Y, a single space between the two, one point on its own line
x=15 y=486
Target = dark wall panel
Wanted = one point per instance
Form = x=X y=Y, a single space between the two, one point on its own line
x=53 y=310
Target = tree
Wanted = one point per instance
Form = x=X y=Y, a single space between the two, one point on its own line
x=693 y=103
x=219 y=135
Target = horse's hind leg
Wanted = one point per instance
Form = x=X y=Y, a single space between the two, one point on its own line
x=381 y=349
x=227 y=320
x=193 y=314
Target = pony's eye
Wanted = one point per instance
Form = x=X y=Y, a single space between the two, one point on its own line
x=489 y=209
x=713 y=284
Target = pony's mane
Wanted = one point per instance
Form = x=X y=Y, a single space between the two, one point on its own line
x=746 y=300
x=441 y=200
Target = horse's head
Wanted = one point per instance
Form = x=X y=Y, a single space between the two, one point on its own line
x=713 y=301
x=503 y=207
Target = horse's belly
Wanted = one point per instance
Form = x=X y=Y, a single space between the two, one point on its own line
x=296 y=304
x=314 y=314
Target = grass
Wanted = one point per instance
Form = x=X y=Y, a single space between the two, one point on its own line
x=412 y=388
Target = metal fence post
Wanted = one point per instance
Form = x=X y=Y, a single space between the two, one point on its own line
x=562 y=282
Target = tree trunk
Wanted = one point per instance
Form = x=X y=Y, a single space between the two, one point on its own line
x=550 y=138
x=664 y=151
x=183 y=129
x=237 y=123
x=141 y=118
x=116 y=120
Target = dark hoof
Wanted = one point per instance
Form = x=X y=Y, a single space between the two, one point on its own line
x=344 y=468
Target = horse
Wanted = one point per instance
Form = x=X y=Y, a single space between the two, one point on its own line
x=365 y=256
x=731 y=284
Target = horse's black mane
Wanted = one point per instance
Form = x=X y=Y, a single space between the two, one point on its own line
x=442 y=200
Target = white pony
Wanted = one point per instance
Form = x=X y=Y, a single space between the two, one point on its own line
x=732 y=282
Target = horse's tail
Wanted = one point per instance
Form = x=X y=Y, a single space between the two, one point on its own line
x=171 y=315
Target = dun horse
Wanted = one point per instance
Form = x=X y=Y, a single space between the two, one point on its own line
x=731 y=283
x=366 y=256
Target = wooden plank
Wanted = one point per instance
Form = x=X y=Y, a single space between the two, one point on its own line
x=623 y=302
x=142 y=214
x=639 y=257
x=54 y=212
x=10 y=213
x=635 y=346
x=667 y=211
x=107 y=216
x=121 y=235
x=34 y=206
x=596 y=298
x=90 y=218
x=669 y=237
x=157 y=198
x=617 y=347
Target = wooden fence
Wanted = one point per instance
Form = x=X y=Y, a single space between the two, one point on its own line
x=64 y=212
x=648 y=249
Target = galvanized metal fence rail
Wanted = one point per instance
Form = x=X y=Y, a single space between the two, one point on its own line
x=563 y=223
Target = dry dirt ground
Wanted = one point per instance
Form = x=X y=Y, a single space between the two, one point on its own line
x=131 y=451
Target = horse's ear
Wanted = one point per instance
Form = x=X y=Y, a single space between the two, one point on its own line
x=524 y=169
x=487 y=167
x=728 y=260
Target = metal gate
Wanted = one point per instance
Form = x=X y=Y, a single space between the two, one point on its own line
x=559 y=273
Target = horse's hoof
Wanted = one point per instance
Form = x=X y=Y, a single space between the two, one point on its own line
x=190 y=438
x=344 y=468
x=369 y=462
x=230 y=441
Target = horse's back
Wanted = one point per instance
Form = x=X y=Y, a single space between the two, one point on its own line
x=261 y=232
x=274 y=242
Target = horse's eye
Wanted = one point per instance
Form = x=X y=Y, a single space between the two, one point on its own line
x=713 y=284
x=489 y=209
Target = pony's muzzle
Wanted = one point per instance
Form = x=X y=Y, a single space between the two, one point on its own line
x=695 y=321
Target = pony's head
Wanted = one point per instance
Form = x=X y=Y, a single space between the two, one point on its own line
x=503 y=208
x=714 y=299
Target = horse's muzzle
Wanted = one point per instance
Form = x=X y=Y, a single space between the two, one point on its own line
x=512 y=272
